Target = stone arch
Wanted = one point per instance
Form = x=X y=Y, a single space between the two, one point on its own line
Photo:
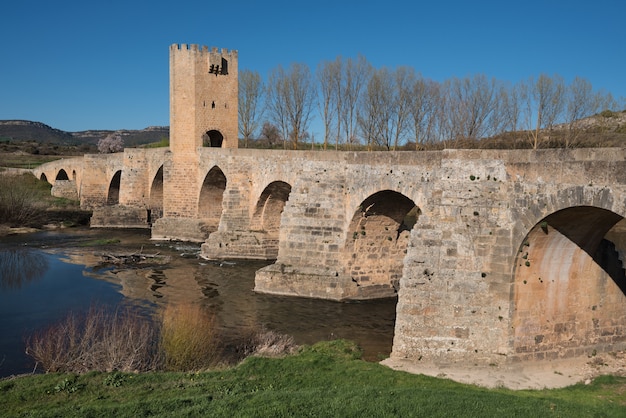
x=376 y=242
x=155 y=205
x=43 y=177
x=211 y=196
x=267 y=213
x=62 y=175
x=212 y=138
x=569 y=285
x=113 y=195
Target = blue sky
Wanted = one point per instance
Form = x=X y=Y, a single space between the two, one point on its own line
x=78 y=65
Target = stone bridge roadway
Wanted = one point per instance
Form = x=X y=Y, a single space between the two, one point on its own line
x=495 y=256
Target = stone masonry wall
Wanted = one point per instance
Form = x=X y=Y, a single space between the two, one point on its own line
x=461 y=297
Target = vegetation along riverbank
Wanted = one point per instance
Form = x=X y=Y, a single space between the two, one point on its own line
x=326 y=379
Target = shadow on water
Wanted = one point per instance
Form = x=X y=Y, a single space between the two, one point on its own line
x=50 y=274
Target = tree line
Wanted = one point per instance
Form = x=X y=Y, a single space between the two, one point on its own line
x=360 y=105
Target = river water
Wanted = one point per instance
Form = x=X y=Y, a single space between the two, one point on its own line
x=46 y=275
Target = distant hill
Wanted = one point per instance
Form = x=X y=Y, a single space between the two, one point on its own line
x=40 y=133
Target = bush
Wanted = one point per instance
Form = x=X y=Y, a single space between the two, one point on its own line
x=254 y=341
x=607 y=114
x=181 y=338
x=189 y=338
x=100 y=340
x=20 y=202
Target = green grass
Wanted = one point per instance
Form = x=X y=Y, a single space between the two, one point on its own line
x=327 y=379
x=163 y=142
x=26 y=160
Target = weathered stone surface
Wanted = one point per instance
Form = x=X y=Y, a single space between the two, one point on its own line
x=119 y=217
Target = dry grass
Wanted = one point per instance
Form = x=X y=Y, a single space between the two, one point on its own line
x=100 y=340
x=189 y=338
x=20 y=203
x=181 y=338
x=269 y=343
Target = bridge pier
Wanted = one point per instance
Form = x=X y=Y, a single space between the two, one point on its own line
x=315 y=282
x=183 y=229
x=119 y=216
x=250 y=245
x=66 y=189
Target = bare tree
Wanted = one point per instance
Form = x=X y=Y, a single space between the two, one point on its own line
x=329 y=76
x=470 y=104
x=357 y=72
x=582 y=102
x=423 y=101
x=377 y=110
x=291 y=97
x=511 y=101
x=277 y=92
x=544 y=99
x=404 y=79
x=250 y=96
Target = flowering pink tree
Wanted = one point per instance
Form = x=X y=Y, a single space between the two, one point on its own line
x=111 y=143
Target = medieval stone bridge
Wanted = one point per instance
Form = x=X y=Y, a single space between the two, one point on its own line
x=495 y=256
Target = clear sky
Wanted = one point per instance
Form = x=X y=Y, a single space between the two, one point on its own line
x=78 y=65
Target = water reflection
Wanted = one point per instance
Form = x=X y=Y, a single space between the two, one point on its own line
x=227 y=290
x=20 y=266
x=73 y=277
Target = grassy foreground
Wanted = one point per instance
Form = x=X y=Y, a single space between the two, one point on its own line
x=327 y=379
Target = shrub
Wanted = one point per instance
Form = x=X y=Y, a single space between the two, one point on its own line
x=607 y=114
x=20 y=202
x=181 y=338
x=100 y=340
x=269 y=343
x=189 y=338
x=255 y=341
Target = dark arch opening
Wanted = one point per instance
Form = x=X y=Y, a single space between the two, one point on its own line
x=212 y=138
x=267 y=215
x=156 y=196
x=113 y=197
x=211 y=196
x=62 y=175
x=569 y=290
x=376 y=243
x=43 y=177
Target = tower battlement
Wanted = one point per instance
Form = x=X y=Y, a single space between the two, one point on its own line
x=203 y=49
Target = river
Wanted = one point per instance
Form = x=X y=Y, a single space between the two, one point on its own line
x=45 y=275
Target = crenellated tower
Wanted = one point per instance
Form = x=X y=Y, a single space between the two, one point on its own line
x=203 y=98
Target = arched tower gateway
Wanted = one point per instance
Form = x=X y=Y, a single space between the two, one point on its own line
x=203 y=113
x=203 y=98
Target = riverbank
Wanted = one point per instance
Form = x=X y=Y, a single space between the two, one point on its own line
x=7 y=230
x=326 y=379
x=531 y=375
x=26 y=201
